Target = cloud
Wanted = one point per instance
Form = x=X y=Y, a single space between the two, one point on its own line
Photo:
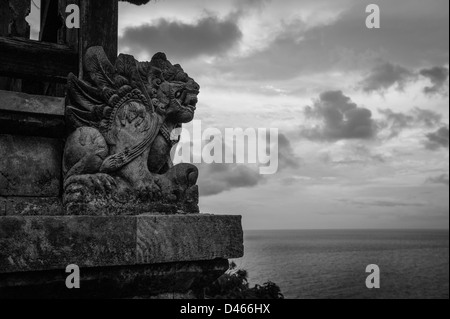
x=251 y=4
x=218 y=178
x=396 y=122
x=208 y=36
x=341 y=119
x=438 y=139
x=384 y=76
x=286 y=157
x=343 y=43
x=438 y=77
x=352 y=154
x=393 y=124
x=382 y=203
x=441 y=179
x=428 y=118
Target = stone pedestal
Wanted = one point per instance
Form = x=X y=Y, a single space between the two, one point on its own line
x=136 y=256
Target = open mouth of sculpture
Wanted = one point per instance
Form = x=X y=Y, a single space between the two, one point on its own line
x=187 y=99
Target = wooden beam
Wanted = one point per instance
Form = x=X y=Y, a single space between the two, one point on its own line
x=50 y=21
x=28 y=59
x=13 y=23
x=99 y=26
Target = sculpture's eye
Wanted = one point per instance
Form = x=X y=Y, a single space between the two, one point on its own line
x=178 y=94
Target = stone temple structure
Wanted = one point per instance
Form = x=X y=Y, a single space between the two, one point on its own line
x=86 y=176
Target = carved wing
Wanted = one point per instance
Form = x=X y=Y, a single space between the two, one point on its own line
x=129 y=68
x=99 y=69
x=85 y=106
x=92 y=103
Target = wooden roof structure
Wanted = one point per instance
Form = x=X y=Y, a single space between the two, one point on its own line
x=59 y=50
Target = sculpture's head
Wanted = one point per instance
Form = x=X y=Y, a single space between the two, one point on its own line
x=173 y=93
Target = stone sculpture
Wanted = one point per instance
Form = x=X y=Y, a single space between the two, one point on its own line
x=117 y=155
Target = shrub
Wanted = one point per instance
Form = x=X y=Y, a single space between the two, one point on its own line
x=234 y=285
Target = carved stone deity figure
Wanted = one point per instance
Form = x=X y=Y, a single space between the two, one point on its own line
x=117 y=156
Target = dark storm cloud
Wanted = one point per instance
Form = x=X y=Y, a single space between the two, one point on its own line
x=441 y=179
x=438 y=77
x=385 y=76
x=438 y=139
x=396 y=122
x=218 y=178
x=341 y=119
x=208 y=36
x=405 y=37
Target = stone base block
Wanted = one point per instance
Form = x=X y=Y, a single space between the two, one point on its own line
x=124 y=256
x=34 y=243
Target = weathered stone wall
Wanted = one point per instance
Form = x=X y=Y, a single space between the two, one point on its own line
x=31 y=147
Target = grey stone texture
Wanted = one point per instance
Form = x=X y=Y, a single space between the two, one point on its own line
x=30 y=166
x=187 y=238
x=32 y=206
x=44 y=243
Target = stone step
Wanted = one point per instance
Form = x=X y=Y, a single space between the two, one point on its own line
x=31 y=115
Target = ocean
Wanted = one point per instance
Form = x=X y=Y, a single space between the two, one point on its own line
x=329 y=264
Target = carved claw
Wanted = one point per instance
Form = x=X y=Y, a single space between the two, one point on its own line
x=183 y=175
x=76 y=188
x=179 y=183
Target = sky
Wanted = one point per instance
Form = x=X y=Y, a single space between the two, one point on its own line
x=363 y=114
